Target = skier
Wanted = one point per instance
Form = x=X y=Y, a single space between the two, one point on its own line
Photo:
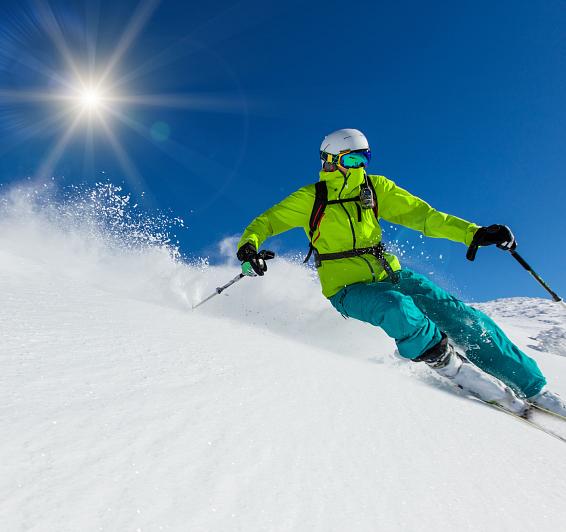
x=340 y=215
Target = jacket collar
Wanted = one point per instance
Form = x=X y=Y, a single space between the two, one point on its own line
x=354 y=178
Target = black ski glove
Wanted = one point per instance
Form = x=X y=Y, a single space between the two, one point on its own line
x=500 y=235
x=247 y=254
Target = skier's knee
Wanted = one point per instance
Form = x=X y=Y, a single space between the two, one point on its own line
x=400 y=307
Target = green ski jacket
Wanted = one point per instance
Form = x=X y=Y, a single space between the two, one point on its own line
x=346 y=226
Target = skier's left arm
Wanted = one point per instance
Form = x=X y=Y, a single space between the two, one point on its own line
x=399 y=206
x=292 y=212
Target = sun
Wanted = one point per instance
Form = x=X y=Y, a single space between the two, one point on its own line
x=91 y=99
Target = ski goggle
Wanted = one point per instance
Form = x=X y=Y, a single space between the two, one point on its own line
x=348 y=159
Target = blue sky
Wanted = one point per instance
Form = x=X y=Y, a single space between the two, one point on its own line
x=463 y=104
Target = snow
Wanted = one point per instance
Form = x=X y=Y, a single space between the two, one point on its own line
x=123 y=409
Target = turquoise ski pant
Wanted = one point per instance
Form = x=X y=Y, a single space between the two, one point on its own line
x=415 y=310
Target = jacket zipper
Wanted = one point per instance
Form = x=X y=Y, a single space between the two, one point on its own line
x=348 y=215
x=353 y=231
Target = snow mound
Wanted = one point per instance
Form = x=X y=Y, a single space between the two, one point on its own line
x=543 y=318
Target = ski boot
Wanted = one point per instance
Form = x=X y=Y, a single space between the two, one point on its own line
x=448 y=363
x=550 y=401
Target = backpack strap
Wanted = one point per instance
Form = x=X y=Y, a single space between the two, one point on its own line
x=340 y=201
x=320 y=202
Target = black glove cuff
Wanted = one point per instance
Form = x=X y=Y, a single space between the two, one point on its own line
x=247 y=252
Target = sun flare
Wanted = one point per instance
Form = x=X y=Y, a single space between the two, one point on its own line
x=90 y=94
x=91 y=98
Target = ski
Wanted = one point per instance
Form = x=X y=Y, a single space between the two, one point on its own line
x=546 y=411
x=528 y=420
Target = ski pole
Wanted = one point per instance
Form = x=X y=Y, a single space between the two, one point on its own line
x=471 y=255
x=262 y=256
x=221 y=289
x=537 y=277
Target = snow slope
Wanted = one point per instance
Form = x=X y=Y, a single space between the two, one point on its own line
x=123 y=409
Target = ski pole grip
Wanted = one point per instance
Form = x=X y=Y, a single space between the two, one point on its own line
x=471 y=253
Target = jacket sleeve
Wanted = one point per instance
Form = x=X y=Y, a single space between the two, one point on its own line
x=398 y=206
x=293 y=211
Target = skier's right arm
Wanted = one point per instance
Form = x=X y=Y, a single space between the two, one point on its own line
x=293 y=211
x=399 y=206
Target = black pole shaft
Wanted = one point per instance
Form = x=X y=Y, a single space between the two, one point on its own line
x=221 y=289
x=538 y=278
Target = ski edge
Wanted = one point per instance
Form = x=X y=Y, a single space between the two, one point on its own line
x=528 y=421
x=546 y=411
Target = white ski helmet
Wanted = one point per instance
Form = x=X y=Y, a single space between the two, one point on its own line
x=343 y=141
